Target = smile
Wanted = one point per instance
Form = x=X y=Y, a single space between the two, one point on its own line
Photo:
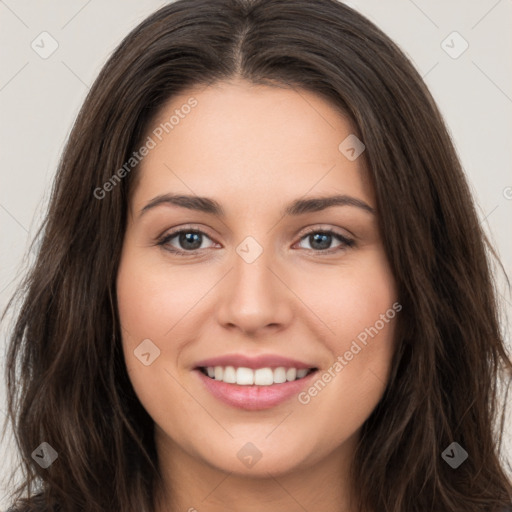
x=241 y=394
x=259 y=377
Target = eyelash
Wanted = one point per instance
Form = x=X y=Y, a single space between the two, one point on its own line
x=345 y=242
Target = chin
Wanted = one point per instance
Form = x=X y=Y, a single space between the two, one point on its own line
x=258 y=458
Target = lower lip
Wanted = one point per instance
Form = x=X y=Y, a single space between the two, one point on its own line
x=254 y=398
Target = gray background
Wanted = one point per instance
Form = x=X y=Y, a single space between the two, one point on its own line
x=39 y=99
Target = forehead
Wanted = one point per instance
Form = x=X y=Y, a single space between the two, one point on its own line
x=244 y=141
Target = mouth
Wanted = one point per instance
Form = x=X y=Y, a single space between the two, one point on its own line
x=254 y=389
x=266 y=376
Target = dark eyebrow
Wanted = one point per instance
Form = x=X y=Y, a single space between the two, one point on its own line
x=297 y=207
x=315 y=204
x=201 y=204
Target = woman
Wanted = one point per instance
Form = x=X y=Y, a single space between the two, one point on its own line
x=250 y=370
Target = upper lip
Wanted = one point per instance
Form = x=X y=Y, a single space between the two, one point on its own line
x=262 y=361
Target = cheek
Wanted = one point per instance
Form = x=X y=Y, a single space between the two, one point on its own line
x=154 y=298
x=349 y=298
x=150 y=303
x=345 y=394
x=153 y=303
x=358 y=304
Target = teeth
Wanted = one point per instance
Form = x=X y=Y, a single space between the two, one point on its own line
x=291 y=374
x=244 y=376
x=301 y=373
x=280 y=375
x=260 y=377
x=229 y=375
x=263 y=376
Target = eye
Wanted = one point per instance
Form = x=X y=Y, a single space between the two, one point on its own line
x=189 y=241
x=320 y=240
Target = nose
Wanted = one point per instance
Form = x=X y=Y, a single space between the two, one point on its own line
x=254 y=297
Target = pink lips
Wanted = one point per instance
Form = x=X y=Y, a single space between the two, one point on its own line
x=263 y=361
x=254 y=398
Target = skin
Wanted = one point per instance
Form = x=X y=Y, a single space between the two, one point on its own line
x=254 y=149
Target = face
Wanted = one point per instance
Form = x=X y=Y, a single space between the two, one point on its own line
x=255 y=276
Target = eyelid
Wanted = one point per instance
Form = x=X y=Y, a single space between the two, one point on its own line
x=323 y=229
x=179 y=229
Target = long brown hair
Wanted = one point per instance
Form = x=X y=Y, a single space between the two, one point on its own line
x=66 y=378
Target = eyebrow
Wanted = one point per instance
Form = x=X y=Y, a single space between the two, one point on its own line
x=295 y=208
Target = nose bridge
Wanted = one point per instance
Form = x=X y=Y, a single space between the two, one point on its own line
x=253 y=297
x=251 y=269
